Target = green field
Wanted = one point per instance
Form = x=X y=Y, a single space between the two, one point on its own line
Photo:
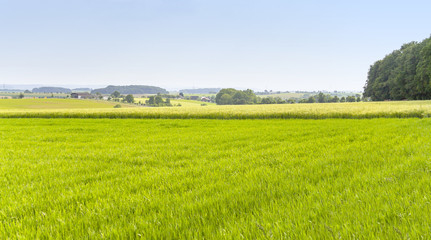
x=400 y=109
x=52 y=103
x=215 y=179
x=340 y=170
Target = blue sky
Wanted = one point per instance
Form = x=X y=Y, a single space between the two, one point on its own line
x=267 y=44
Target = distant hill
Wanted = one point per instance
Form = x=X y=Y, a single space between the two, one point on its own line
x=81 y=90
x=51 y=90
x=132 y=89
x=200 y=90
x=11 y=90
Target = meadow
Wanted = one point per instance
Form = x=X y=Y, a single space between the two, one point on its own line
x=53 y=103
x=399 y=109
x=215 y=179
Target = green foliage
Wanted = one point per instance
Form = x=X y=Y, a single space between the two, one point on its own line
x=351 y=99
x=271 y=100
x=117 y=106
x=230 y=96
x=311 y=100
x=328 y=98
x=129 y=98
x=116 y=94
x=157 y=101
x=403 y=74
x=211 y=179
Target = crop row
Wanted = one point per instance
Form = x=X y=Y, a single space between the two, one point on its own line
x=209 y=179
x=416 y=109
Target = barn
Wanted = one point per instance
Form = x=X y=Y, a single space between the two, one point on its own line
x=83 y=95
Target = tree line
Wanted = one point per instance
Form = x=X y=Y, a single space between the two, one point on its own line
x=404 y=74
x=230 y=96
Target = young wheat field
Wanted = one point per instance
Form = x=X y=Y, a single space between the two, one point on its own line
x=400 y=109
x=215 y=179
x=52 y=104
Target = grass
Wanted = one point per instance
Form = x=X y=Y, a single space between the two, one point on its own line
x=401 y=109
x=33 y=95
x=52 y=103
x=212 y=179
x=183 y=102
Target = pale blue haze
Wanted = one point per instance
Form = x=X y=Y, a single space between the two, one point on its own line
x=268 y=44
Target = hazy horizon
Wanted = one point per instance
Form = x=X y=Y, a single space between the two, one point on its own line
x=74 y=86
x=275 y=45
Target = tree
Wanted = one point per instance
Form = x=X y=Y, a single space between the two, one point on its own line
x=225 y=99
x=21 y=95
x=403 y=74
x=229 y=96
x=267 y=100
x=350 y=99
x=129 y=98
x=311 y=100
x=150 y=100
x=335 y=99
x=116 y=94
x=321 y=97
x=158 y=99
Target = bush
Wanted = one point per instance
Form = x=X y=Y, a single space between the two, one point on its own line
x=117 y=106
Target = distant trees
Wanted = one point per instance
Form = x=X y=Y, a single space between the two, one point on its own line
x=328 y=98
x=129 y=98
x=230 y=96
x=403 y=74
x=115 y=94
x=271 y=100
x=157 y=101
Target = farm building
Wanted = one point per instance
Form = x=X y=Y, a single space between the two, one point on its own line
x=205 y=99
x=81 y=95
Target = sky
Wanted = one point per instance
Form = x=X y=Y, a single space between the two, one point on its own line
x=268 y=44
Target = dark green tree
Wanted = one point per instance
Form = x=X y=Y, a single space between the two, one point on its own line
x=351 y=99
x=403 y=74
x=129 y=98
x=311 y=100
x=116 y=94
x=228 y=96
